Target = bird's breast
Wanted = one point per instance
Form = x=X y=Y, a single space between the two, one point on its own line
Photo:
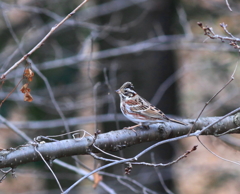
x=131 y=115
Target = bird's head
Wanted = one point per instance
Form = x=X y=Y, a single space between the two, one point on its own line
x=126 y=90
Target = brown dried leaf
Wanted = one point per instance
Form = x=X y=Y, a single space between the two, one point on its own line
x=25 y=88
x=29 y=74
x=97 y=178
x=28 y=97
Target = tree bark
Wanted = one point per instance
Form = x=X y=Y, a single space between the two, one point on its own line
x=113 y=140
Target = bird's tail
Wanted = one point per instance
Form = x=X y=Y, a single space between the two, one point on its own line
x=179 y=122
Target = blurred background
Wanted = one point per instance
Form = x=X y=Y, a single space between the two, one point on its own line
x=155 y=44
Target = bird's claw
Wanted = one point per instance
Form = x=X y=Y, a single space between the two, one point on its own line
x=146 y=127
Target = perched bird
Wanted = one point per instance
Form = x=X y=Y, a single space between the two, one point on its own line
x=139 y=110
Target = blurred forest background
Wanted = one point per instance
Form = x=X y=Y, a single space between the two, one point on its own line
x=155 y=44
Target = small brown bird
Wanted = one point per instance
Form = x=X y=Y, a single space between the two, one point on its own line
x=139 y=110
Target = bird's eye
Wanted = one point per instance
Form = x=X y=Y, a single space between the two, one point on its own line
x=131 y=87
x=127 y=93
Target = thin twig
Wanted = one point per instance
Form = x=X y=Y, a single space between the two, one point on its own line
x=60 y=187
x=5 y=173
x=107 y=153
x=83 y=172
x=198 y=133
x=224 y=26
x=52 y=97
x=208 y=31
x=126 y=178
x=206 y=104
x=141 y=163
x=3 y=76
x=9 y=94
x=230 y=130
x=184 y=22
x=166 y=84
x=90 y=60
x=82 y=24
x=167 y=190
x=57 y=107
x=101 y=158
x=112 y=97
x=231 y=140
x=95 y=87
x=169 y=163
x=51 y=94
x=74 y=121
x=127 y=185
x=96 y=170
x=124 y=161
x=112 y=76
x=216 y=154
x=228 y=5
x=14 y=128
x=49 y=137
x=24 y=136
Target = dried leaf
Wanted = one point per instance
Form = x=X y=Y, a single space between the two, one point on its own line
x=28 y=97
x=97 y=178
x=25 y=89
x=29 y=74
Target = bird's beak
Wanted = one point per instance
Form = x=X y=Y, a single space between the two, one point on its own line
x=118 y=91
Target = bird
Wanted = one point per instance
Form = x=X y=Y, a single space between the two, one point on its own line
x=138 y=109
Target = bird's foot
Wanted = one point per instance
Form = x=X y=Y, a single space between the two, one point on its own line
x=146 y=127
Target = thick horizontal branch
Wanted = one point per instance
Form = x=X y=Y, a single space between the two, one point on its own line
x=114 y=140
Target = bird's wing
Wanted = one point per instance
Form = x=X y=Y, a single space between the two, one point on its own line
x=146 y=109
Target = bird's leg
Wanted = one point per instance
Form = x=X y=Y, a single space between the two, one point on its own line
x=132 y=127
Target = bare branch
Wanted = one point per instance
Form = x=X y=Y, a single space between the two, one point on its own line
x=3 y=76
x=207 y=103
x=128 y=179
x=160 y=176
x=83 y=172
x=208 y=31
x=112 y=97
x=51 y=94
x=237 y=163
x=167 y=164
x=96 y=170
x=14 y=128
x=117 y=140
x=218 y=120
x=59 y=185
x=5 y=173
x=228 y=5
x=184 y=22
x=74 y=121
x=29 y=61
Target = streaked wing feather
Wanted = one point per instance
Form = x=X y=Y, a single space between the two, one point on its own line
x=155 y=113
x=148 y=110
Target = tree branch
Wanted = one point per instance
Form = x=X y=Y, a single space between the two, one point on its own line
x=113 y=140
x=15 y=65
